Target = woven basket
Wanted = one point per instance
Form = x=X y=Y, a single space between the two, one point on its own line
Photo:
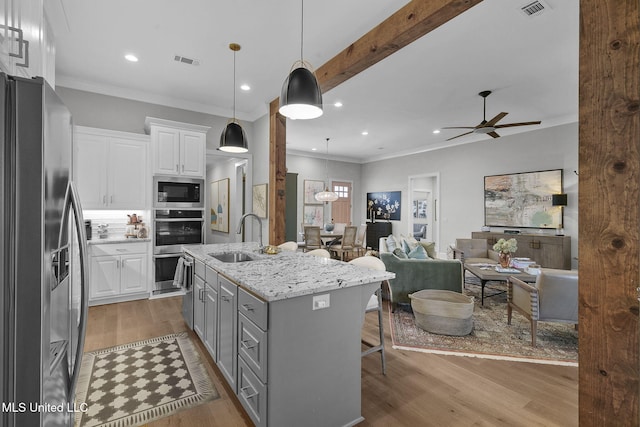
x=443 y=312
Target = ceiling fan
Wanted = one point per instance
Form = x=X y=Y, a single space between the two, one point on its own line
x=488 y=127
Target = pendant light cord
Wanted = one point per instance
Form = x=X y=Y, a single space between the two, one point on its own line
x=302 y=31
x=326 y=164
x=234 y=85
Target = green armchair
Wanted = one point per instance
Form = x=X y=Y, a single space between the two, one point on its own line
x=414 y=275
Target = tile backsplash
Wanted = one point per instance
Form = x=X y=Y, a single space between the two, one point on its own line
x=116 y=220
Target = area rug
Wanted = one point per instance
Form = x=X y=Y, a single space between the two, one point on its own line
x=132 y=384
x=492 y=338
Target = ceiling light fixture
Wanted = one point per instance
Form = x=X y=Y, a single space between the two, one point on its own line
x=437 y=131
x=131 y=58
x=365 y=133
x=233 y=138
x=338 y=104
x=301 y=97
x=326 y=195
x=245 y=87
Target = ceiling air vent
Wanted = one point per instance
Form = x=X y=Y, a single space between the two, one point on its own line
x=186 y=60
x=534 y=8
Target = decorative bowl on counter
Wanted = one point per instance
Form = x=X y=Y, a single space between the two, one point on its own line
x=271 y=250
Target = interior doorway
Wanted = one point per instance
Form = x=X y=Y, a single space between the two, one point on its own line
x=341 y=208
x=424 y=193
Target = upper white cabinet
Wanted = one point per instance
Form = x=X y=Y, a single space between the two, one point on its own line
x=26 y=40
x=110 y=169
x=177 y=148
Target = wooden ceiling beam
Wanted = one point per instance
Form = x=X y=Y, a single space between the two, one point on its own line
x=408 y=24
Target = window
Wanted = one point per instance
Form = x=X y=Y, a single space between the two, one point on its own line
x=341 y=190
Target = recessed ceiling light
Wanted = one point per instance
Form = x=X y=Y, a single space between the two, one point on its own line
x=365 y=133
x=245 y=87
x=338 y=104
x=436 y=131
x=314 y=149
x=131 y=58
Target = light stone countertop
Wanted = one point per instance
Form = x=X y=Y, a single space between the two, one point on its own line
x=287 y=274
x=117 y=239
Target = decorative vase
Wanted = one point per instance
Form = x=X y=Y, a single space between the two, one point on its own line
x=505 y=259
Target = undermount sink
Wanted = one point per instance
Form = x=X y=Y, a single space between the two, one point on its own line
x=232 y=257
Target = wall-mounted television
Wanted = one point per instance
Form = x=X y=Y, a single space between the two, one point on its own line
x=523 y=200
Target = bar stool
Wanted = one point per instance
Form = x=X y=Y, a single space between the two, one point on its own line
x=374 y=304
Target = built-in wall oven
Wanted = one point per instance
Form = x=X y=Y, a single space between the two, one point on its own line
x=172 y=229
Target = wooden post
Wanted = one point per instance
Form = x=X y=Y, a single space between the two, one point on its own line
x=277 y=173
x=609 y=200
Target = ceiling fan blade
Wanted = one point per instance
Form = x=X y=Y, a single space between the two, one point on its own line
x=509 y=125
x=459 y=127
x=462 y=134
x=495 y=120
x=493 y=134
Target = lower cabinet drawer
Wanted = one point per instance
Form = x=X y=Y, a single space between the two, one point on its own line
x=252 y=394
x=252 y=346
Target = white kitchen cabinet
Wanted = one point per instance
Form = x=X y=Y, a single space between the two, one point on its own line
x=211 y=313
x=118 y=272
x=26 y=40
x=178 y=148
x=110 y=169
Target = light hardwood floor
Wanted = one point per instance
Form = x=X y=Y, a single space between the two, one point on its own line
x=419 y=389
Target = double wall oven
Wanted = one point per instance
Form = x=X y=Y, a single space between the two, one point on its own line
x=178 y=219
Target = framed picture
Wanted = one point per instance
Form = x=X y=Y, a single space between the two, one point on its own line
x=313 y=214
x=384 y=205
x=220 y=205
x=311 y=188
x=522 y=199
x=260 y=200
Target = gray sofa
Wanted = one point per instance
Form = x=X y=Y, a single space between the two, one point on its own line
x=414 y=275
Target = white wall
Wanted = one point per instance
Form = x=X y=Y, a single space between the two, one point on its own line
x=259 y=147
x=315 y=169
x=462 y=170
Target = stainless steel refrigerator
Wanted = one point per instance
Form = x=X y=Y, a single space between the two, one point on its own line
x=42 y=258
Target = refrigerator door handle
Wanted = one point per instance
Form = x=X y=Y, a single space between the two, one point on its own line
x=72 y=203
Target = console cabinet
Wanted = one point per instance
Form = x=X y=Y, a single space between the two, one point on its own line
x=548 y=251
x=376 y=230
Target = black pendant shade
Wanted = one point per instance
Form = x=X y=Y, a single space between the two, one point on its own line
x=301 y=97
x=233 y=139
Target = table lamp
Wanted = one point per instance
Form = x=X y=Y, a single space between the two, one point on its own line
x=559 y=200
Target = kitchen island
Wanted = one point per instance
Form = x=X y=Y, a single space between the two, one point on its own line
x=287 y=332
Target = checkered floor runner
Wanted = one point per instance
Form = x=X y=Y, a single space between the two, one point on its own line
x=132 y=384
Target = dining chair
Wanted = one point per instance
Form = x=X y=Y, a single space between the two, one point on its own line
x=323 y=253
x=374 y=304
x=312 y=238
x=289 y=246
x=360 y=245
x=348 y=242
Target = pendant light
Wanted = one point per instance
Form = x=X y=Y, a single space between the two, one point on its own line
x=233 y=138
x=326 y=195
x=301 y=97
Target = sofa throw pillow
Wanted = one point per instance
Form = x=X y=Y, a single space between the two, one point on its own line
x=408 y=243
x=391 y=243
x=418 y=253
x=400 y=253
x=430 y=247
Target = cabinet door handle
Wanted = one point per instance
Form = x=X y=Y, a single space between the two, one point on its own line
x=246 y=395
x=111 y=199
x=247 y=344
x=118 y=263
x=104 y=199
x=224 y=298
x=177 y=168
x=183 y=168
x=247 y=307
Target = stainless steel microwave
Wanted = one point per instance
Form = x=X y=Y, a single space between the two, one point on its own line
x=177 y=192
